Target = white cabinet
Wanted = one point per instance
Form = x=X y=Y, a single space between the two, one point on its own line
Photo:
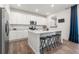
x=13 y=18
x=17 y=18
x=23 y=18
x=41 y=21
x=27 y=21
x=18 y=34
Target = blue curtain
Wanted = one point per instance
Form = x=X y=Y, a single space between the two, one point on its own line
x=74 y=25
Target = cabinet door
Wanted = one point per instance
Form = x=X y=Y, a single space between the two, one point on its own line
x=18 y=34
x=41 y=21
x=17 y=18
x=13 y=18
x=28 y=18
x=21 y=19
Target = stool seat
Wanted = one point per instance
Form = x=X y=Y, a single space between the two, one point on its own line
x=43 y=38
x=53 y=35
x=58 y=34
x=48 y=36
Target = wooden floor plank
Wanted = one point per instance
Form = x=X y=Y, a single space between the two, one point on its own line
x=22 y=47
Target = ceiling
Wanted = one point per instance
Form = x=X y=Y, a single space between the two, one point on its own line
x=42 y=9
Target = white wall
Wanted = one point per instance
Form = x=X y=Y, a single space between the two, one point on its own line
x=17 y=17
x=65 y=27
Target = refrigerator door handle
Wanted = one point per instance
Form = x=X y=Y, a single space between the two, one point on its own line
x=7 y=28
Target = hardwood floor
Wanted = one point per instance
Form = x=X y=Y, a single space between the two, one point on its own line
x=66 y=48
x=22 y=47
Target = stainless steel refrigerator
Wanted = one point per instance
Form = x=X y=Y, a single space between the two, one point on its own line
x=4 y=31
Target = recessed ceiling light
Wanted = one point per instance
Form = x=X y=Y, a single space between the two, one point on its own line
x=18 y=5
x=52 y=5
x=47 y=13
x=36 y=10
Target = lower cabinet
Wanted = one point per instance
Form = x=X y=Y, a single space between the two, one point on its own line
x=18 y=34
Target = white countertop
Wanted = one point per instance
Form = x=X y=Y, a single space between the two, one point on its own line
x=41 y=31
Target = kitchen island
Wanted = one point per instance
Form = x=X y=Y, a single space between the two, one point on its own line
x=34 y=38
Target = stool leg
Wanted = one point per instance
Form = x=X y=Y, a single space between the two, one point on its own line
x=41 y=47
x=52 y=42
x=47 y=44
x=55 y=43
x=51 y=45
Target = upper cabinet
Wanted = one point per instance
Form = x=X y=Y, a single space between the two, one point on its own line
x=17 y=18
x=25 y=18
x=41 y=21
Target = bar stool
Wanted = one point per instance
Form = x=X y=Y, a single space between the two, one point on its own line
x=43 y=44
x=57 y=39
x=48 y=42
x=53 y=41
